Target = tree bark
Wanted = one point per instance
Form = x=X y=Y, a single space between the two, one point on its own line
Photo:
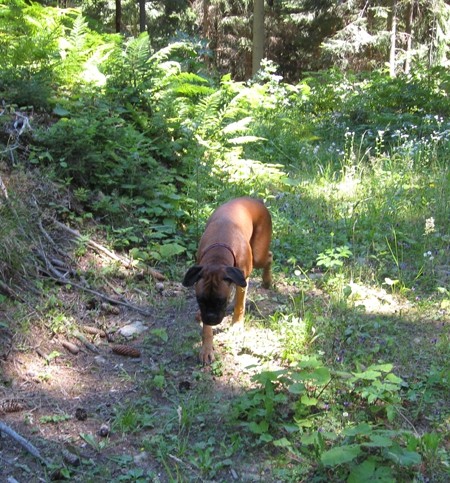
x=392 y=27
x=258 y=35
x=142 y=17
x=409 y=20
x=118 y=16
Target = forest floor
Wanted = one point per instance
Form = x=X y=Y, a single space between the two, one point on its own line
x=98 y=415
x=99 y=406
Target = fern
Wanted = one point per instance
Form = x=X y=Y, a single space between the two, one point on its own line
x=208 y=114
x=167 y=52
x=190 y=85
x=78 y=33
x=136 y=56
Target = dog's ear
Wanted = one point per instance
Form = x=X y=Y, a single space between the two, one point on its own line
x=235 y=275
x=192 y=275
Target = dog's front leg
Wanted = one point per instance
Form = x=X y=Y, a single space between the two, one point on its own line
x=207 y=350
x=239 y=306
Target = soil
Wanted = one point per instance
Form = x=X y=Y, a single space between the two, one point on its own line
x=65 y=404
x=72 y=407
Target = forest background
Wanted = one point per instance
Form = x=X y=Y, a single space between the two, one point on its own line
x=128 y=123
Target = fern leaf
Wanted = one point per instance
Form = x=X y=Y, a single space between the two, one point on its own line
x=238 y=126
x=137 y=51
x=78 y=34
x=165 y=53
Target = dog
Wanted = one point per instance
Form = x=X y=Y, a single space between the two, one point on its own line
x=236 y=239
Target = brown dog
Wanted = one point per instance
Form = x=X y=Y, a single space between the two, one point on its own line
x=236 y=240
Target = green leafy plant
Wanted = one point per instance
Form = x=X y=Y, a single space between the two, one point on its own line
x=334 y=257
x=93 y=443
x=357 y=442
x=55 y=418
x=261 y=406
x=377 y=384
x=132 y=418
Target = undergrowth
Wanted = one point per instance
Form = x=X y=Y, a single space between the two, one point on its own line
x=355 y=173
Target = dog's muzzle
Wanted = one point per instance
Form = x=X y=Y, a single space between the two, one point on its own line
x=211 y=318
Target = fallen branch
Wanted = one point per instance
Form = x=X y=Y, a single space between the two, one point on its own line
x=50 y=239
x=96 y=246
x=56 y=275
x=23 y=442
x=88 y=345
x=126 y=262
x=8 y=291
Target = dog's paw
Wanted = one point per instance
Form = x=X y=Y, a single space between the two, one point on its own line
x=207 y=355
x=266 y=284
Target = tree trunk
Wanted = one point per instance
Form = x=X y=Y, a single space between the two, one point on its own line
x=142 y=18
x=258 y=35
x=118 y=16
x=409 y=35
x=207 y=31
x=392 y=27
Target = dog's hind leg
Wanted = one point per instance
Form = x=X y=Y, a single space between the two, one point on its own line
x=267 y=272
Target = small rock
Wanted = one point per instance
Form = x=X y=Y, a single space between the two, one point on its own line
x=140 y=458
x=71 y=458
x=133 y=329
x=100 y=360
x=103 y=431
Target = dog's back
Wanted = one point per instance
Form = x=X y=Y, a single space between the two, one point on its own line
x=238 y=222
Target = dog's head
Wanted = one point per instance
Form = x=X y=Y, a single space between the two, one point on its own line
x=213 y=288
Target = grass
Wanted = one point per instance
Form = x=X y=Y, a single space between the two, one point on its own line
x=362 y=239
x=343 y=372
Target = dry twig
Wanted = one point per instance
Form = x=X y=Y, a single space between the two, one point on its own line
x=124 y=261
x=3 y=188
x=23 y=442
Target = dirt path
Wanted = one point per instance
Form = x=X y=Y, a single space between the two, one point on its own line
x=76 y=404
x=101 y=415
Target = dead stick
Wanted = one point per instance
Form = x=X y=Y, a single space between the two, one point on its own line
x=181 y=462
x=7 y=290
x=50 y=239
x=56 y=276
x=3 y=188
x=23 y=442
x=83 y=339
x=126 y=262
x=98 y=294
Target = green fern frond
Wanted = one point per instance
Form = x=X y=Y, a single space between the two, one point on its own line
x=208 y=112
x=185 y=77
x=137 y=49
x=78 y=33
x=190 y=85
x=192 y=90
x=136 y=55
x=165 y=53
